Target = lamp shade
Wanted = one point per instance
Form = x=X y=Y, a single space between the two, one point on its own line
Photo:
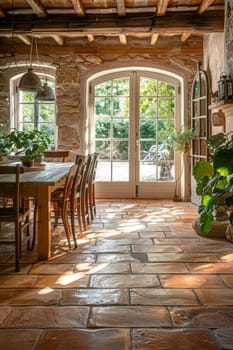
x=30 y=82
x=46 y=94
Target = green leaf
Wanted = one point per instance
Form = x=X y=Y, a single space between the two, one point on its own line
x=231 y=218
x=222 y=183
x=202 y=169
x=216 y=140
x=206 y=222
x=223 y=162
x=206 y=200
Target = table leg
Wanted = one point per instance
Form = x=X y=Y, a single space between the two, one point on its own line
x=44 y=226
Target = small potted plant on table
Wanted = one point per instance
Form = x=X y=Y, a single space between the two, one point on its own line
x=28 y=145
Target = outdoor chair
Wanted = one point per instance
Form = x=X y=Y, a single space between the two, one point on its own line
x=15 y=211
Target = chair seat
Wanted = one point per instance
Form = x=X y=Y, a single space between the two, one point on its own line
x=10 y=214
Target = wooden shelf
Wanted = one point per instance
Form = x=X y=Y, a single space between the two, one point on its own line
x=224 y=105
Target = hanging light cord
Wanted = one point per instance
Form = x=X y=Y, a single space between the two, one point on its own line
x=12 y=57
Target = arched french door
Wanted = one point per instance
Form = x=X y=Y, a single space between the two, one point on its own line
x=133 y=115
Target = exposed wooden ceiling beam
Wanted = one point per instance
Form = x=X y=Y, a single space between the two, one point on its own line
x=123 y=39
x=25 y=39
x=185 y=36
x=90 y=37
x=103 y=10
x=162 y=7
x=121 y=7
x=64 y=50
x=175 y=23
x=78 y=6
x=204 y=5
x=2 y=13
x=59 y=39
x=37 y=7
x=154 y=39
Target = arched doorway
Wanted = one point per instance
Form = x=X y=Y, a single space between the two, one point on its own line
x=132 y=113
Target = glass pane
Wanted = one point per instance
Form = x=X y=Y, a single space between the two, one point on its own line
x=120 y=128
x=49 y=128
x=103 y=107
x=27 y=96
x=103 y=148
x=120 y=150
x=47 y=112
x=27 y=113
x=203 y=106
x=148 y=107
x=102 y=128
x=148 y=87
x=121 y=87
x=147 y=128
x=165 y=89
x=120 y=171
x=104 y=89
x=196 y=109
x=165 y=128
x=121 y=107
x=196 y=87
x=148 y=151
x=148 y=172
x=166 y=107
x=26 y=126
x=203 y=85
x=103 y=171
x=203 y=130
x=166 y=171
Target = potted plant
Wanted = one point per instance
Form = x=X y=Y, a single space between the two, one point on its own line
x=4 y=146
x=28 y=145
x=215 y=185
x=181 y=141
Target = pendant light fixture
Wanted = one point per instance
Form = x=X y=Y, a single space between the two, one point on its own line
x=30 y=81
x=46 y=94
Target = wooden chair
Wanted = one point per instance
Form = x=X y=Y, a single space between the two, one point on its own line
x=79 y=200
x=60 y=199
x=56 y=155
x=75 y=199
x=91 y=186
x=15 y=211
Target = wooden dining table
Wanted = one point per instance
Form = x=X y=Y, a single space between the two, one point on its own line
x=39 y=184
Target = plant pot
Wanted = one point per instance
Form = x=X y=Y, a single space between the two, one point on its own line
x=27 y=162
x=218 y=229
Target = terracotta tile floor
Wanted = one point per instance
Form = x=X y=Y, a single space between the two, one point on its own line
x=140 y=279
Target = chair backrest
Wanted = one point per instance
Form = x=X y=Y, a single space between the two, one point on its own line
x=70 y=182
x=81 y=164
x=13 y=190
x=92 y=174
x=56 y=155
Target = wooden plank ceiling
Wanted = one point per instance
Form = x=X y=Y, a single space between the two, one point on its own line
x=60 y=22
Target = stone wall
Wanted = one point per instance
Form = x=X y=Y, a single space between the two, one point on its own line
x=68 y=73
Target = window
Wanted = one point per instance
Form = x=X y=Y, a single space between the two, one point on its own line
x=33 y=114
